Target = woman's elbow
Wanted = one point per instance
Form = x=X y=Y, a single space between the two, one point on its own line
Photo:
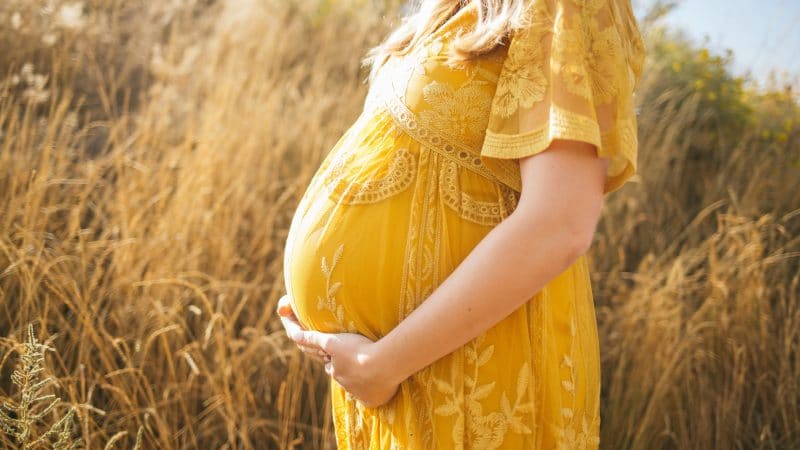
x=581 y=227
x=581 y=240
x=572 y=232
x=580 y=219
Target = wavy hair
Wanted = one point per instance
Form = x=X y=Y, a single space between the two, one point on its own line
x=496 y=20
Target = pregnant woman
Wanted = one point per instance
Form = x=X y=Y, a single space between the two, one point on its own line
x=436 y=262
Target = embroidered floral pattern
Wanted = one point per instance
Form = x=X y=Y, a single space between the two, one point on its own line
x=328 y=302
x=485 y=430
x=587 y=55
x=582 y=438
x=523 y=82
x=447 y=113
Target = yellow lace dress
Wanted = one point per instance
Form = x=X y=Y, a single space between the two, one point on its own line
x=425 y=172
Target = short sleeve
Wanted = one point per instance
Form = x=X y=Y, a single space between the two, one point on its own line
x=570 y=73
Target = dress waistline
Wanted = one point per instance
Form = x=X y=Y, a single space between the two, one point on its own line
x=455 y=151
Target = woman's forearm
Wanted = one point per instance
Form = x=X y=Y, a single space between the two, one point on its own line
x=515 y=260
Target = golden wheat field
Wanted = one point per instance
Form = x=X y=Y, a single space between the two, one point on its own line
x=151 y=157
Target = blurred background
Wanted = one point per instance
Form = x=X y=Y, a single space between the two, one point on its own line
x=761 y=37
x=152 y=155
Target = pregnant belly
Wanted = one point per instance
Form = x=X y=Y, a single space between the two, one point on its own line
x=345 y=254
x=343 y=262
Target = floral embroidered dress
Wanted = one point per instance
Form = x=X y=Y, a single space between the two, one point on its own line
x=426 y=171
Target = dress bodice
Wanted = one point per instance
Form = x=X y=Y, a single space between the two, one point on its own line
x=570 y=74
x=445 y=107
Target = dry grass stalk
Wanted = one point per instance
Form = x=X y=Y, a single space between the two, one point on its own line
x=22 y=418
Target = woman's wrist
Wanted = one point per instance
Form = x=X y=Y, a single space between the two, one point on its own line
x=387 y=364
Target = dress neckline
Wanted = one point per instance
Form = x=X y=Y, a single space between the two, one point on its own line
x=444 y=28
x=435 y=35
x=452 y=19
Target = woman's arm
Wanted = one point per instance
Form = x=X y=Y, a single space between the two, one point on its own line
x=553 y=224
x=551 y=227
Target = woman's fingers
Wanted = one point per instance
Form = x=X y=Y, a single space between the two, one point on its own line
x=285 y=307
x=292 y=327
x=295 y=330
x=316 y=339
x=289 y=320
x=312 y=343
x=315 y=353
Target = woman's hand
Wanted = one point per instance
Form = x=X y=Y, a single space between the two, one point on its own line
x=292 y=326
x=355 y=364
x=351 y=359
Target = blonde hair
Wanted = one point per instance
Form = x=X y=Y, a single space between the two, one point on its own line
x=496 y=20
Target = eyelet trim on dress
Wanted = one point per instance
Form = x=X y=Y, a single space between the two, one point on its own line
x=399 y=177
x=438 y=142
x=478 y=211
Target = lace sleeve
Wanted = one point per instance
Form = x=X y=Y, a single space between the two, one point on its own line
x=570 y=73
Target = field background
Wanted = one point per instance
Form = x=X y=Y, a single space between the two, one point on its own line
x=152 y=154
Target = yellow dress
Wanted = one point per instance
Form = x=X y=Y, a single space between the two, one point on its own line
x=425 y=172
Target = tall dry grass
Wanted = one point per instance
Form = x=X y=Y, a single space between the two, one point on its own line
x=147 y=184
